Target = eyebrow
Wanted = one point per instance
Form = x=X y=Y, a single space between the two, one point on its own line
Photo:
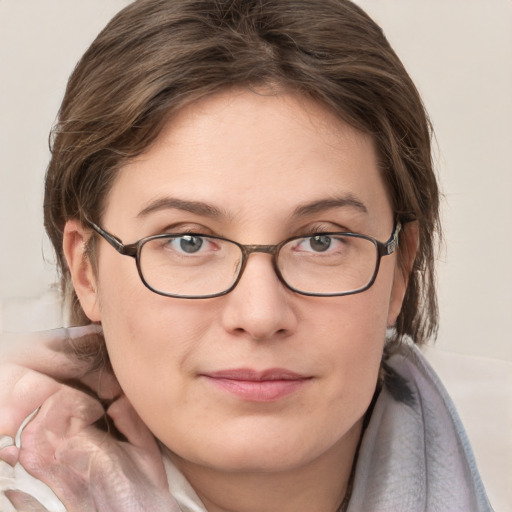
x=197 y=207
x=348 y=201
x=208 y=210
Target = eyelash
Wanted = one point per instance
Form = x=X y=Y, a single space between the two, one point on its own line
x=187 y=230
x=315 y=229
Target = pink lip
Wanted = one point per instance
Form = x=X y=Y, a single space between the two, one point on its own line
x=257 y=386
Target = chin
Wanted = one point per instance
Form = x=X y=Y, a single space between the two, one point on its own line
x=260 y=461
x=255 y=454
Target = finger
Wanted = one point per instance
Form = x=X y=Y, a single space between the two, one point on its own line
x=23 y=502
x=61 y=353
x=74 y=353
x=65 y=413
x=8 y=450
x=129 y=423
x=26 y=391
x=22 y=391
x=9 y=455
x=34 y=372
x=14 y=344
x=83 y=357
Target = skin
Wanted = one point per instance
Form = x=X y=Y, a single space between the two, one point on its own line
x=255 y=158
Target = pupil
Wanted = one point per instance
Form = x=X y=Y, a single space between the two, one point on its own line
x=320 y=243
x=190 y=244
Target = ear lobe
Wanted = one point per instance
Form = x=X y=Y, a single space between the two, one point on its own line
x=84 y=281
x=409 y=242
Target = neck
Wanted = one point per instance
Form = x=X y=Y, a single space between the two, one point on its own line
x=320 y=484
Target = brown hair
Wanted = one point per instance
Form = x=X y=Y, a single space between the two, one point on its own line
x=157 y=55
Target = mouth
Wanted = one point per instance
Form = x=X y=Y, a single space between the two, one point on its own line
x=257 y=386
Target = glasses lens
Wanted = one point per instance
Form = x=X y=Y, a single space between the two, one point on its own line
x=328 y=264
x=189 y=265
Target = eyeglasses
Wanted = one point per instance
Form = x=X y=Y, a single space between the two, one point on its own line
x=198 y=266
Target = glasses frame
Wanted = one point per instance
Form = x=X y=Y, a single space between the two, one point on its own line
x=134 y=250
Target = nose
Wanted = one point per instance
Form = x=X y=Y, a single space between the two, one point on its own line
x=260 y=307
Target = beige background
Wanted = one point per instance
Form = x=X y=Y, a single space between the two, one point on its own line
x=459 y=52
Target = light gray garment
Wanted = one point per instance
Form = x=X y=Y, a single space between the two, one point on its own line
x=415 y=455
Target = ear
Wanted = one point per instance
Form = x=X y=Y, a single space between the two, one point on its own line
x=409 y=241
x=82 y=274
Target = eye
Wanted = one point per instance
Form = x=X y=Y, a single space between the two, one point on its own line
x=189 y=244
x=320 y=243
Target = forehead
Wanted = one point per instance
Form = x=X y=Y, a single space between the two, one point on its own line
x=253 y=155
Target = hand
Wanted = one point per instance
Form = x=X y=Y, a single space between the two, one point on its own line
x=38 y=365
x=87 y=467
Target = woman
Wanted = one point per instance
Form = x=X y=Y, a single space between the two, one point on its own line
x=268 y=168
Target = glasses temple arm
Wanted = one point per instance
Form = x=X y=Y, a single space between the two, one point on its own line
x=392 y=244
x=113 y=240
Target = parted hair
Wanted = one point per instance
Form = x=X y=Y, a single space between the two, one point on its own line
x=155 y=56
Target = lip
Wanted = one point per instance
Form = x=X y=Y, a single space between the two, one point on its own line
x=257 y=386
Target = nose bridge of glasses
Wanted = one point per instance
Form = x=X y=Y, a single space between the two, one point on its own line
x=247 y=250
x=265 y=249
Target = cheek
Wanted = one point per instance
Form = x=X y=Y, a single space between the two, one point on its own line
x=152 y=343
x=355 y=352
x=356 y=341
x=149 y=357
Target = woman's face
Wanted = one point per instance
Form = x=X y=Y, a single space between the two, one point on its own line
x=256 y=169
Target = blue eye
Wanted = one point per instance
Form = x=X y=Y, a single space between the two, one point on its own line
x=185 y=244
x=190 y=244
